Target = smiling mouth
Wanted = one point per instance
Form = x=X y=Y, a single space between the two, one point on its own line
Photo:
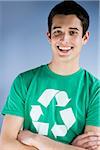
x=65 y=49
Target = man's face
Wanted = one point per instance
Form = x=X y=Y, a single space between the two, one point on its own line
x=66 y=37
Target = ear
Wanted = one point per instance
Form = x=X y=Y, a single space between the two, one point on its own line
x=48 y=36
x=86 y=37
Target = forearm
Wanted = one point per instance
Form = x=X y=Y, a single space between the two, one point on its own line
x=60 y=146
x=45 y=143
x=13 y=144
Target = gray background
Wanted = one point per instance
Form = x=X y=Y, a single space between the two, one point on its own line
x=24 y=45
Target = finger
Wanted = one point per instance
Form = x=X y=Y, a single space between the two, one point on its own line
x=86 y=140
x=86 y=135
x=93 y=148
x=91 y=144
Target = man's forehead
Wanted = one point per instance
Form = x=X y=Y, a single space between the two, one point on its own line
x=60 y=21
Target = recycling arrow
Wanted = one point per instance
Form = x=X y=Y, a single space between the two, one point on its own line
x=62 y=98
x=35 y=112
x=47 y=97
x=59 y=130
x=41 y=127
x=68 y=117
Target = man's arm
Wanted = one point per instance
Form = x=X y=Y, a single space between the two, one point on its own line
x=9 y=132
x=95 y=130
x=43 y=142
x=90 y=139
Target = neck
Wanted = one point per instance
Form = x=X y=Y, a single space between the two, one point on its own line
x=64 y=68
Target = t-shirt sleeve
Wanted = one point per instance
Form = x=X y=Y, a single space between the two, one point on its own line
x=93 y=114
x=15 y=103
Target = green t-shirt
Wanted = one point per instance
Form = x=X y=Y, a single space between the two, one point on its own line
x=54 y=105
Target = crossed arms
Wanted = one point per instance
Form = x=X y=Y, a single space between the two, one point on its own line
x=11 y=139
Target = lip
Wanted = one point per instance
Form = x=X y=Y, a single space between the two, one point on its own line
x=65 y=50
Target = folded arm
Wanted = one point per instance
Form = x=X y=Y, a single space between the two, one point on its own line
x=90 y=140
x=26 y=140
x=43 y=142
x=9 y=132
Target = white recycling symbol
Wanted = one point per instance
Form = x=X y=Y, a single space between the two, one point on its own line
x=62 y=100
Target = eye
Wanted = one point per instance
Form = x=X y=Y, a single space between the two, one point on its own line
x=72 y=32
x=57 y=32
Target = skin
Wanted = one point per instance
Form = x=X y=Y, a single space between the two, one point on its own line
x=44 y=142
x=9 y=132
x=66 y=32
x=90 y=141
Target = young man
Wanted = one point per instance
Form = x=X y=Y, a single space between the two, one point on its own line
x=57 y=104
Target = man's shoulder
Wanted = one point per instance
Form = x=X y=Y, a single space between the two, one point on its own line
x=91 y=79
x=26 y=77
x=31 y=72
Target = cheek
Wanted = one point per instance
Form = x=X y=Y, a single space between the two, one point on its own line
x=56 y=38
x=77 y=40
x=55 y=41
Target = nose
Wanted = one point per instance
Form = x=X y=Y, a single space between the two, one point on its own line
x=65 y=38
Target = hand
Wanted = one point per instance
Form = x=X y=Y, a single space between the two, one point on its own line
x=27 y=137
x=38 y=141
x=89 y=140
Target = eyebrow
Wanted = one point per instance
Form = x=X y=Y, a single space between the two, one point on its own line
x=69 y=28
x=56 y=27
x=74 y=29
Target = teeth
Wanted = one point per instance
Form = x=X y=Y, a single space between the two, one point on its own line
x=64 y=48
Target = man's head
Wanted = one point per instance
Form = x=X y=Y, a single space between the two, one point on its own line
x=69 y=8
x=67 y=24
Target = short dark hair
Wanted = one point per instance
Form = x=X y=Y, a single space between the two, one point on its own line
x=68 y=8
